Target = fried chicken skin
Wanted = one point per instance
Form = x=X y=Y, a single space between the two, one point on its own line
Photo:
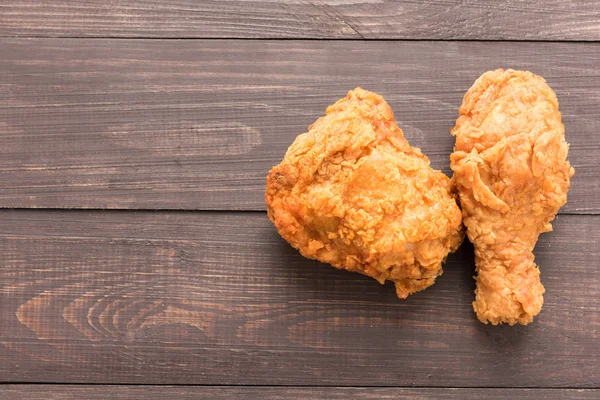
x=353 y=193
x=511 y=170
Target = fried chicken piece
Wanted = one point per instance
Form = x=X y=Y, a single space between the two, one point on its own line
x=353 y=193
x=511 y=169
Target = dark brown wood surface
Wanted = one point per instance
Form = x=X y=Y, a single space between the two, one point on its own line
x=162 y=124
x=218 y=298
x=342 y=19
x=101 y=109
x=67 y=392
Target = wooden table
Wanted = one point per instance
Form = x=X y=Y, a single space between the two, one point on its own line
x=135 y=252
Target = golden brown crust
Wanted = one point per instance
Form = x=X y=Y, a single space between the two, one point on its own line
x=353 y=193
x=512 y=175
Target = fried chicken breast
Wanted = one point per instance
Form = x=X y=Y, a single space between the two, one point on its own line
x=511 y=169
x=353 y=193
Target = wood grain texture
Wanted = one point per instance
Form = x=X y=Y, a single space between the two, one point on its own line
x=161 y=124
x=345 y=19
x=219 y=299
x=67 y=392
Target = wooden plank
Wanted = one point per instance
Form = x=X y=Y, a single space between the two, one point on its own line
x=163 y=124
x=340 y=19
x=219 y=299
x=67 y=392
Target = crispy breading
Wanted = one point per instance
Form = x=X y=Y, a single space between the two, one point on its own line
x=353 y=193
x=511 y=169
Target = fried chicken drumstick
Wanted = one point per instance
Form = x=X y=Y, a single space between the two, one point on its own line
x=511 y=169
x=353 y=193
